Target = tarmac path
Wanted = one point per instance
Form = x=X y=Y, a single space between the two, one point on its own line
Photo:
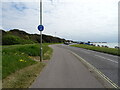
x=64 y=70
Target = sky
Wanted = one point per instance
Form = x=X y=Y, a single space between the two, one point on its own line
x=79 y=20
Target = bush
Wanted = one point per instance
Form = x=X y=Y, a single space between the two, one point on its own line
x=10 y=40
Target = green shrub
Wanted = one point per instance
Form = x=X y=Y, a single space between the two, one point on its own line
x=10 y=40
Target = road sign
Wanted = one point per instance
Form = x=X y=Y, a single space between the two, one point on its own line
x=40 y=27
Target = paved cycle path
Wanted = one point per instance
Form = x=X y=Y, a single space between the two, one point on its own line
x=64 y=70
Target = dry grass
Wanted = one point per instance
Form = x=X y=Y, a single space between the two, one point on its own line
x=24 y=77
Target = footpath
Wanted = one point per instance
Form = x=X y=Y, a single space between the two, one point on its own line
x=64 y=70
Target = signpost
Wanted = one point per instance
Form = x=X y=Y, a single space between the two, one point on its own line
x=40 y=28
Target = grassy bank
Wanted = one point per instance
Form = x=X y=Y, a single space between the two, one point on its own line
x=112 y=51
x=16 y=57
x=24 y=77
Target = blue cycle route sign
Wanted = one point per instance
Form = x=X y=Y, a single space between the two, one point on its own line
x=40 y=27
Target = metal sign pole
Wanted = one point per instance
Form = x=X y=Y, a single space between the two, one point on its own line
x=41 y=28
x=40 y=31
x=40 y=46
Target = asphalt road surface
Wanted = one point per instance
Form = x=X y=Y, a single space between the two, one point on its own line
x=106 y=63
x=64 y=70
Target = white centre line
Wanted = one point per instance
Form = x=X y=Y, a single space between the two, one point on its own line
x=106 y=58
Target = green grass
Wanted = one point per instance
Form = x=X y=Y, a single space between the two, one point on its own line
x=12 y=63
x=16 y=57
x=112 y=51
x=0 y=65
x=24 y=78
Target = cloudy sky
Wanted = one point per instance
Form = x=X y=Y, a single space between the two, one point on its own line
x=82 y=20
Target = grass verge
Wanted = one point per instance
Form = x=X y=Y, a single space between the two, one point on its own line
x=19 y=70
x=24 y=77
x=16 y=57
x=112 y=51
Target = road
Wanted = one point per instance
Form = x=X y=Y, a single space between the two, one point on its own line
x=106 y=63
x=64 y=70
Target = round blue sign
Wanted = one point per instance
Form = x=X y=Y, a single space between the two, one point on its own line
x=40 y=27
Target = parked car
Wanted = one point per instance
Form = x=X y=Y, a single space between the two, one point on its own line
x=66 y=43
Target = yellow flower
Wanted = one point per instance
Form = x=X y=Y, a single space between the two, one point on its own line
x=21 y=60
x=22 y=53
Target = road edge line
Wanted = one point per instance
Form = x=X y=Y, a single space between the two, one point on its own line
x=96 y=71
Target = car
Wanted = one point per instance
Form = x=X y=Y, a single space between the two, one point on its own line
x=66 y=43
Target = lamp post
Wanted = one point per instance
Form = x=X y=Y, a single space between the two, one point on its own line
x=41 y=28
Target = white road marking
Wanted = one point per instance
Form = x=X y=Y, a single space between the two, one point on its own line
x=106 y=58
x=101 y=75
x=85 y=52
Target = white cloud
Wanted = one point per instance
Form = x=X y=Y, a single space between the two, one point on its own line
x=85 y=19
x=27 y=19
x=0 y=16
x=94 y=20
x=19 y=0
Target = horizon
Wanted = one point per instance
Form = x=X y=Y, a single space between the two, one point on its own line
x=62 y=38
